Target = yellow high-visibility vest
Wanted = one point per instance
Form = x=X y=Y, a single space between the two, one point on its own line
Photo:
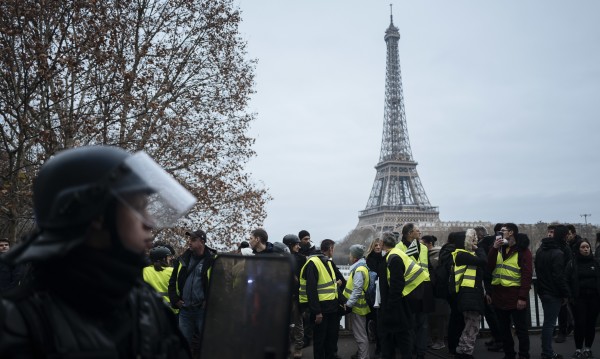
x=464 y=276
x=326 y=287
x=414 y=274
x=159 y=280
x=360 y=307
x=423 y=259
x=507 y=272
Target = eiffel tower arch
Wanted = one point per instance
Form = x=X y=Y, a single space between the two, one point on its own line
x=397 y=195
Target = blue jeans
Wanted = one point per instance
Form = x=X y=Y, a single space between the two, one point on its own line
x=551 y=306
x=191 y=321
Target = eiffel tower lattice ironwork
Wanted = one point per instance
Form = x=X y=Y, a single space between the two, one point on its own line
x=397 y=195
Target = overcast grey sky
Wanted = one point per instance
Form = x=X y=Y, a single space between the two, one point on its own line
x=502 y=103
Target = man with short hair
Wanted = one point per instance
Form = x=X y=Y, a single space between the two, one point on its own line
x=259 y=242
x=297 y=332
x=355 y=290
x=318 y=292
x=510 y=262
x=421 y=299
x=570 y=246
x=485 y=242
x=552 y=285
x=399 y=277
x=10 y=275
x=189 y=284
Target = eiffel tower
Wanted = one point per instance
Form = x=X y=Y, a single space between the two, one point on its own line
x=397 y=195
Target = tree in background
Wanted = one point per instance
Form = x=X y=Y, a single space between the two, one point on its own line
x=166 y=76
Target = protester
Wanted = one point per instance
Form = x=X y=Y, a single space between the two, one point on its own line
x=485 y=242
x=259 y=242
x=438 y=319
x=552 y=286
x=10 y=275
x=510 y=261
x=399 y=278
x=421 y=299
x=355 y=290
x=159 y=272
x=188 y=286
x=469 y=264
x=86 y=297
x=297 y=333
x=583 y=275
x=374 y=261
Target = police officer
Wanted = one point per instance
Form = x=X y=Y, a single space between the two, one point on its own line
x=94 y=208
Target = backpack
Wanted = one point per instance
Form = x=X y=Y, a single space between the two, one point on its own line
x=371 y=288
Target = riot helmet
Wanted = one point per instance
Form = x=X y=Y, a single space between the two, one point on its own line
x=76 y=186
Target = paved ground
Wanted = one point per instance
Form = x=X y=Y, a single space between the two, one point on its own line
x=347 y=347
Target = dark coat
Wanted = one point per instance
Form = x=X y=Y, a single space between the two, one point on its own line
x=575 y=269
x=394 y=310
x=10 y=275
x=550 y=269
x=181 y=271
x=374 y=260
x=471 y=299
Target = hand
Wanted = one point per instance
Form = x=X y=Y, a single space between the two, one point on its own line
x=498 y=243
x=339 y=282
x=521 y=304
x=179 y=303
x=488 y=299
x=318 y=318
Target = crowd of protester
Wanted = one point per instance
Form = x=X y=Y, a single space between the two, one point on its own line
x=402 y=292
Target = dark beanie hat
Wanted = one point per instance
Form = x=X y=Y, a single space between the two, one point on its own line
x=303 y=233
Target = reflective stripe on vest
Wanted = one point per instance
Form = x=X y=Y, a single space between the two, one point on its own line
x=326 y=287
x=507 y=272
x=464 y=276
x=360 y=307
x=413 y=273
x=423 y=259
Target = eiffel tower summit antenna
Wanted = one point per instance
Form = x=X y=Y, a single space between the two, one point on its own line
x=397 y=195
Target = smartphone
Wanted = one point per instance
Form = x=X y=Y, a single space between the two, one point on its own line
x=499 y=235
x=248 y=307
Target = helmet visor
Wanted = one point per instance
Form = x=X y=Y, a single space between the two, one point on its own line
x=161 y=200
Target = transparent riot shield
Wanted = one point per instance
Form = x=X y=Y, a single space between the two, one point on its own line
x=248 y=308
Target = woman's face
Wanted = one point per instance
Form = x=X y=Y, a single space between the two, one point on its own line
x=584 y=249
x=377 y=247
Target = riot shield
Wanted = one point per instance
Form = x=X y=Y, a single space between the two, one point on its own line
x=248 y=308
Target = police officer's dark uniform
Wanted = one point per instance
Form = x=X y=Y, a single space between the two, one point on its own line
x=86 y=297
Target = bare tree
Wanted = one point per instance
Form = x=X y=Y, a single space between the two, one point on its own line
x=170 y=77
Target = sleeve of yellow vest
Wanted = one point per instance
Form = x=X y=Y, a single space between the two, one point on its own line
x=358 y=282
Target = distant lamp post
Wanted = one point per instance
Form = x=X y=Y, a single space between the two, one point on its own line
x=585 y=216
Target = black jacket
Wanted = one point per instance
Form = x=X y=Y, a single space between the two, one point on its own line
x=10 y=276
x=550 y=269
x=41 y=325
x=394 y=309
x=575 y=271
x=181 y=271
x=471 y=299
